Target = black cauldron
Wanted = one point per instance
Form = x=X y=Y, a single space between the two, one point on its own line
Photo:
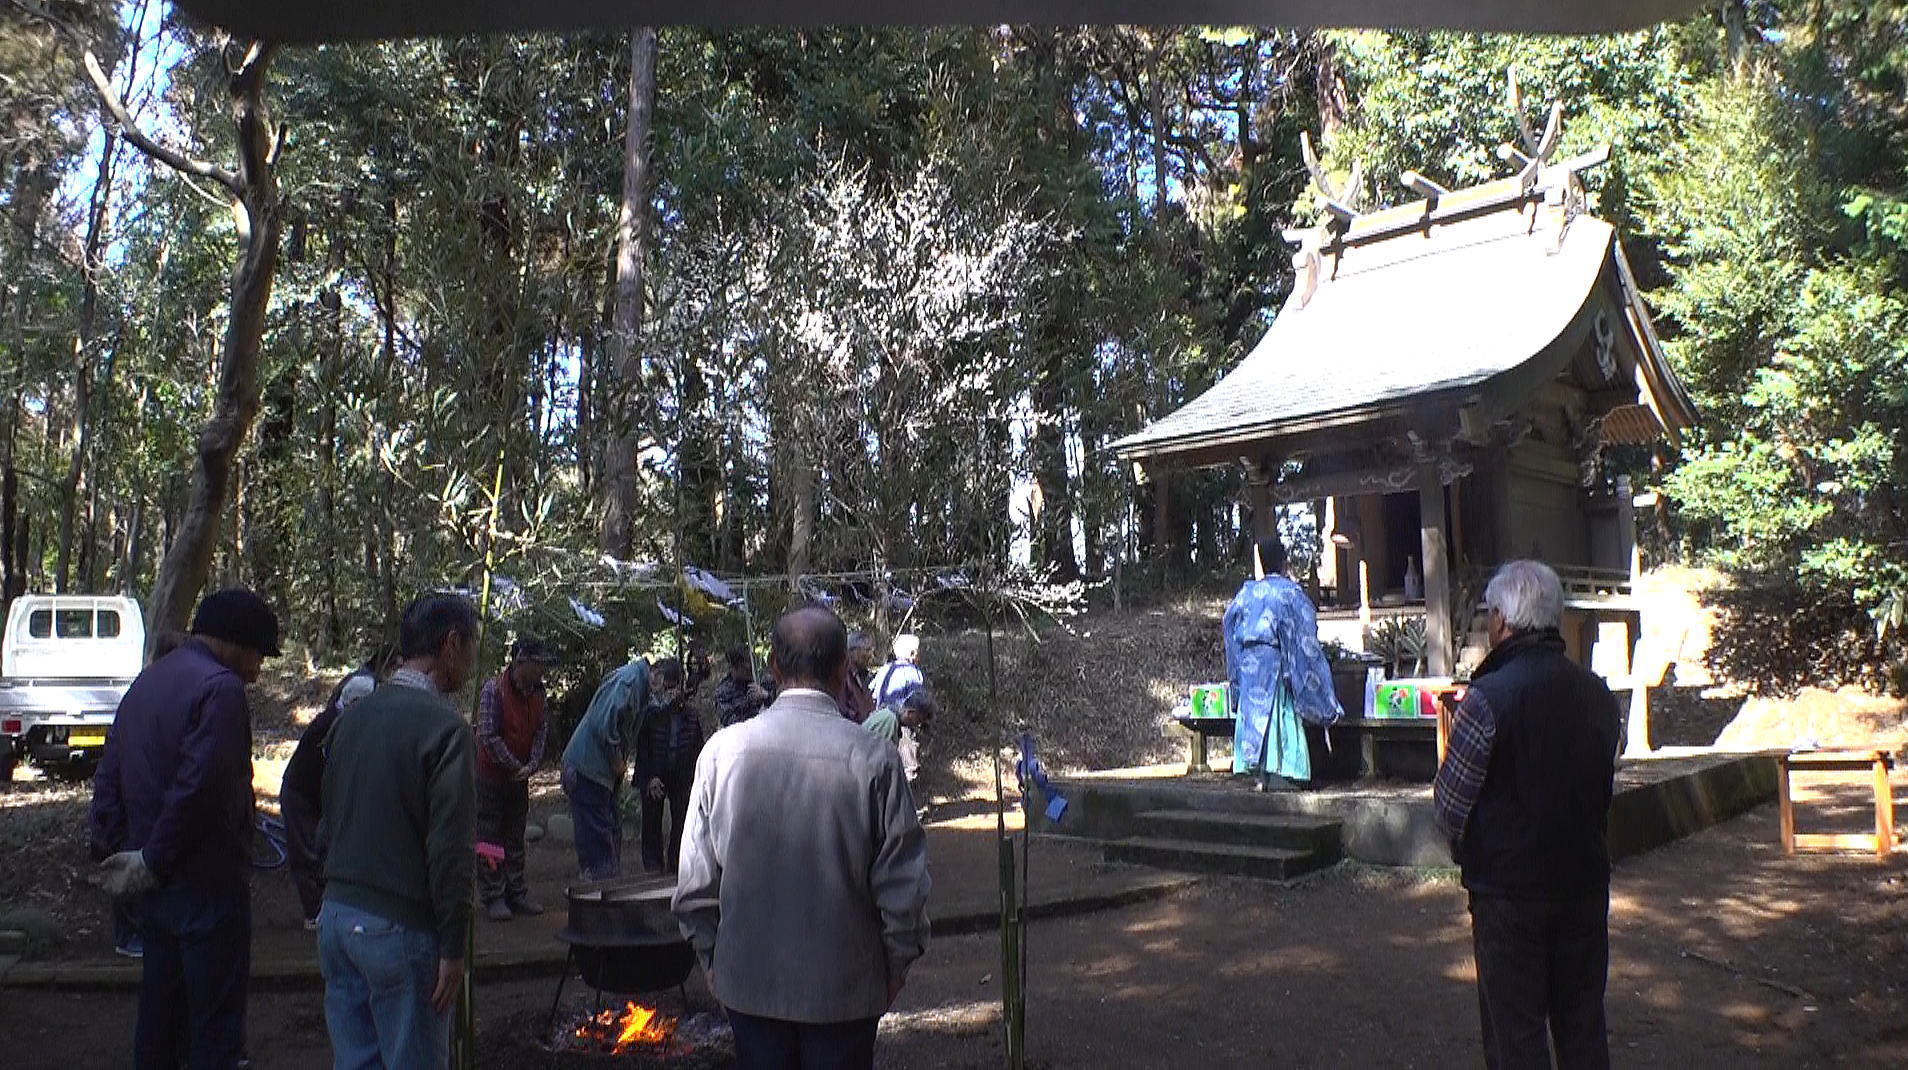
x=623 y=939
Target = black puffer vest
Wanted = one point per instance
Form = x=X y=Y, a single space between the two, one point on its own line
x=1539 y=828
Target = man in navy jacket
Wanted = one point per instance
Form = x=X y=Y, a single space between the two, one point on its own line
x=173 y=800
x=1524 y=794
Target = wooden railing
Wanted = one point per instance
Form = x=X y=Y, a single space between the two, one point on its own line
x=1584 y=583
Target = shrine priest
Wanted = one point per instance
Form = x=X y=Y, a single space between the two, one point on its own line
x=1276 y=673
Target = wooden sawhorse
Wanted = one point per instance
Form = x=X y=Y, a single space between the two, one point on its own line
x=1838 y=761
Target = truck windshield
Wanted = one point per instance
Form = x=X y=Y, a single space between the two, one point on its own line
x=75 y=623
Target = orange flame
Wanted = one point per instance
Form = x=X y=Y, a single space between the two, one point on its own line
x=638 y=1025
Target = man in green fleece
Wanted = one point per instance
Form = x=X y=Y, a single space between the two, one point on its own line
x=400 y=807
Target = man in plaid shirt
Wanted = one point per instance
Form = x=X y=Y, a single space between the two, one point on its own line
x=513 y=727
x=1524 y=795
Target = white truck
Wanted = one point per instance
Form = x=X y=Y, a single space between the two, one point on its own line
x=65 y=662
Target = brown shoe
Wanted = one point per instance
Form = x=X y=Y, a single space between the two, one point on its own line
x=526 y=906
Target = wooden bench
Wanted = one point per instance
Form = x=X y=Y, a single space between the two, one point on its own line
x=1375 y=733
x=1838 y=761
x=1202 y=727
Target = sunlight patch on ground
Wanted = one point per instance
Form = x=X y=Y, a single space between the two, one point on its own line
x=1016 y=821
x=967 y=1017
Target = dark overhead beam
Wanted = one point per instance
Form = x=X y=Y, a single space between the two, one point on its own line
x=339 y=20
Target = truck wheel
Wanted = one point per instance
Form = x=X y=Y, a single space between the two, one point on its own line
x=7 y=761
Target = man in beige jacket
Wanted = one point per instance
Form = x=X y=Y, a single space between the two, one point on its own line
x=803 y=883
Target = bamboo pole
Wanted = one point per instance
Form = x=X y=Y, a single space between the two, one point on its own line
x=464 y=1031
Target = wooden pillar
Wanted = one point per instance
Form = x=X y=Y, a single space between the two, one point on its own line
x=1437 y=571
x=1265 y=519
x=1259 y=475
x=1884 y=809
x=1626 y=527
x=1162 y=513
x=1504 y=526
x=1457 y=519
x=1326 y=512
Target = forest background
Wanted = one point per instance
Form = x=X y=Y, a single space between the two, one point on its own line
x=351 y=322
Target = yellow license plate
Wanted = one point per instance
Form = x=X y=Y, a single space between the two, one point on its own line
x=86 y=739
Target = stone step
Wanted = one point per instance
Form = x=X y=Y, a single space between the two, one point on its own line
x=1295 y=832
x=1267 y=863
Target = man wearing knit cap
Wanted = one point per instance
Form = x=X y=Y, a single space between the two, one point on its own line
x=513 y=729
x=172 y=801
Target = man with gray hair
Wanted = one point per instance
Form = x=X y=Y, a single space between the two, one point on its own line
x=1524 y=795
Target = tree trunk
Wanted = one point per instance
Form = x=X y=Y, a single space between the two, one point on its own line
x=188 y=561
x=83 y=360
x=331 y=304
x=1053 y=527
x=696 y=465
x=1156 y=104
x=1328 y=89
x=798 y=476
x=129 y=569
x=583 y=428
x=384 y=526
x=1735 y=22
x=623 y=376
x=12 y=583
x=1053 y=524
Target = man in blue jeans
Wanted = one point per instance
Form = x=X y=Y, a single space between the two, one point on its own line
x=172 y=802
x=593 y=766
x=400 y=805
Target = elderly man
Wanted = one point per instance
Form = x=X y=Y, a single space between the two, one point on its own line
x=857 y=702
x=513 y=727
x=804 y=877
x=1524 y=795
x=400 y=806
x=173 y=801
x=902 y=675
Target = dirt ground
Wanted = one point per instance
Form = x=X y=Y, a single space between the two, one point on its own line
x=960 y=841
x=1724 y=952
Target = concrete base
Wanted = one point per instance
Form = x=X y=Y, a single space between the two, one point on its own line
x=1653 y=812
x=1390 y=824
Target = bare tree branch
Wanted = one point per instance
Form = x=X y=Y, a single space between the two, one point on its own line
x=210 y=197
x=130 y=130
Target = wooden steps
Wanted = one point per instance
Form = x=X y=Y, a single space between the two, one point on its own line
x=1232 y=859
x=1268 y=846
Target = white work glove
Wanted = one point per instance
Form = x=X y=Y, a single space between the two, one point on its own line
x=126 y=873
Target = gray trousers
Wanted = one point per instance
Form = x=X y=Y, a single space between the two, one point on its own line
x=503 y=806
